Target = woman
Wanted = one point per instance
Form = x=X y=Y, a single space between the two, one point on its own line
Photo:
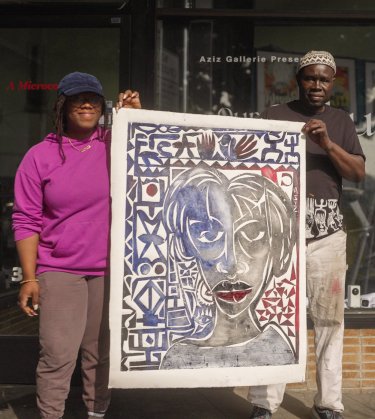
x=240 y=232
x=61 y=224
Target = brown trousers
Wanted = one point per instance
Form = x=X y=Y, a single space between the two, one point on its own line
x=73 y=315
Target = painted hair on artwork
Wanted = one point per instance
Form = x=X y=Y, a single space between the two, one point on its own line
x=249 y=193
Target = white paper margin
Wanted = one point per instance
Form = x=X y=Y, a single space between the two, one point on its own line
x=197 y=377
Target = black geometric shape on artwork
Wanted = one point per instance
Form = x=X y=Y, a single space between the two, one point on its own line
x=132 y=191
x=288 y=282
x=286 y=323
x=172 y=278
x=150 y=319
x=152 y=238
x=151 y=172
x=130 y=164
x=128 y=281
x=184 y=272
x=161 y=283
x=291 y=333
x=131 y=320
x=292 y=292
x=178 y=319
x=187 y=282
x=157 y=356
x=149 y=340
x=187 y=265
x=245 y=147
x=154 y=299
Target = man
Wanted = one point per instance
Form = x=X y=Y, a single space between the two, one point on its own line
x=333 y=152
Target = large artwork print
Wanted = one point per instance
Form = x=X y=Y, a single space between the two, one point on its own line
x=207 y=251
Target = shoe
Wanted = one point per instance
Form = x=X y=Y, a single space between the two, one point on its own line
x=318 y=413
x=260 y=413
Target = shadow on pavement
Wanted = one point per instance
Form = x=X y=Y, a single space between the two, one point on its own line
x=19 y=402
x=296 y=407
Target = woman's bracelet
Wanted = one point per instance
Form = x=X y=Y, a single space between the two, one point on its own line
x=29 y=280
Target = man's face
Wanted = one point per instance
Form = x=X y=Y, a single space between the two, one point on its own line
x=315 y=84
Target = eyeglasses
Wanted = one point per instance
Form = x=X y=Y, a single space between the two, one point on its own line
x=80 y=99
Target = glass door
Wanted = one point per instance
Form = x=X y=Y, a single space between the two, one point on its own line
x=33 y=60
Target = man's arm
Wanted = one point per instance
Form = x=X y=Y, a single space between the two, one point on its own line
x=349 y=166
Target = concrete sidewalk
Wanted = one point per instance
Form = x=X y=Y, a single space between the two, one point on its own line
x=226 y=403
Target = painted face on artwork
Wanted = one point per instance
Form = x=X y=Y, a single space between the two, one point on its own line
x=231 y=246
x=315 y=84
x=83 y=112
x=320 y=220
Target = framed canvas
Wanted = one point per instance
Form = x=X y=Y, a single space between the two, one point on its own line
x=370 y=88
x=344 y=94
x=276 y=78
x=207 y=251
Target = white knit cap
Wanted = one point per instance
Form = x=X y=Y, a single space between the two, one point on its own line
x=317 y=57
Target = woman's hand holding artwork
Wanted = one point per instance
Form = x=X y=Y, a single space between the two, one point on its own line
x=128 y=99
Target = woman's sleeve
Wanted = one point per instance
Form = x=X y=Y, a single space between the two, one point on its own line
x=28 y=204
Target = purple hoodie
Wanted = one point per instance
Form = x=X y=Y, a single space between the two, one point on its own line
x=67 y=204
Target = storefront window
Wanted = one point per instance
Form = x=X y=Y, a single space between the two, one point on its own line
x=274 y=5
x=237 y=68
x=199 y=67
x=320 y=5
x=33 y=61
x=353 y=92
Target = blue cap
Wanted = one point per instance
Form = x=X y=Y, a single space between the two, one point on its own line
x=74 y=83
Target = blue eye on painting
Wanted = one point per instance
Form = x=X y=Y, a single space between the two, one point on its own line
x=208 y=231
x=208 y=237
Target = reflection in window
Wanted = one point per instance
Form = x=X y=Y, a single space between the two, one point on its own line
x=33 y=60
x=231 y=68
x=206 y=63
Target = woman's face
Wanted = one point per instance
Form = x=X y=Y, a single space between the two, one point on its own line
x=83 y=112
x=231 y=245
